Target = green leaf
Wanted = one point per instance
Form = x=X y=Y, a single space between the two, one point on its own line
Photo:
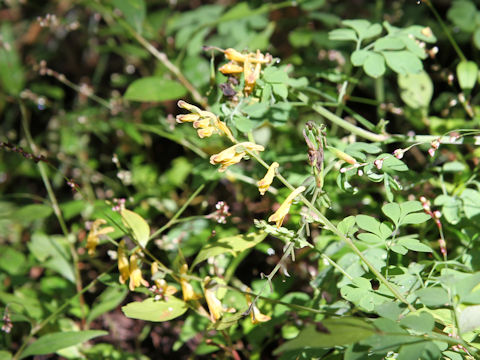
x=153 y=310
x=137 y=225
x=12 y=261
x=358 y=57
x=388 y=43
x=403 y=62
x=108 y=300
x=53 y=342
x=232 y=244
x=341 y=331
x=415 y=218
x=275 y=75
x=154 y=88
x=346 y=225
x=462 y=14
x=393 y=211
x=342 y=35
x=434 y=296
x=471 y=202
x=244 y=124
x=32 y=212
x=368 y=223
x=12 y=76
x=392 y=164
x=451 y=206
x=467 y=74
x=416 y=89
x=421 y=322
x=413 y=244
x=280 y=90
x=374 y=65
x=453 y=166
x=364 y=28
x=134 y=12
x=415 y=351
x=476 y=38
x=256 y=110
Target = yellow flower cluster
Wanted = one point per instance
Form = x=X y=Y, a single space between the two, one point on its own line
x=205 y=122
x=96 y=231
x=249 y=64
x=129 y=268
x=233 y=154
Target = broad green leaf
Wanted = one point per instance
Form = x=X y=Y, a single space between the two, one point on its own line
x=462 y=14
x=393 y=211
x=110 y=298
x=137 y=225
x=399 y=249
x=416 y=89
x=421 y=322
x=389 y=310
x=358 y=57
x=364 y=28
x=134 y=12
x=415 y=351
x=341 y=331
x=453 y=166
x=342 y=35
x=476 y=38
x=403 y=62
x=244 y=124
x=346 y=225
x=280 y=90
x=413 y=244
x=368 y=223
x=154 y=88
x=275 y=75
x=451 y=206
x=467 y=73
x=370 y=238
x=12 y=261
x=411 y=206
x=155 y=310
x=374 y=65
x=392 y=164
x=12 y=76
x=433 y=296
x=53 y=342
x=388 y=43
x=415 y=218
x=232 y=244
x=256 y=110
x=471 y=202
x=32 y=212
x=5 y=355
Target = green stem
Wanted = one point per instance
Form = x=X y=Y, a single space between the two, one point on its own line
x=54 y=314
x=178 y=213
x=54 y=202
x=329 y=226
x=348 y=126
x=446 y=31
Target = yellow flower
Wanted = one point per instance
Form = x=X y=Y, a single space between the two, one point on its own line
x=94 y=234
x=162 y=286
x=255 y=313
x=233 y=154
x=205 y=122
x=136 y=278
x=265 y=183
x=123 y=265
x=231 y=68
x=187 y=288
x=214 y=305
x=282 y=211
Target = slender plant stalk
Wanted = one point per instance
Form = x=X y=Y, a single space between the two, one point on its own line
x=55 y=206
x=446 y=31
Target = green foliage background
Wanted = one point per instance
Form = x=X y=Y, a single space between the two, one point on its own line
x=88 y=98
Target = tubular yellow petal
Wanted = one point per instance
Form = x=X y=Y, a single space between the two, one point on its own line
x=206 y=132
x=279 y=215
x=231 y=68
x=224 y=129
x=342 y=155
x=184 y=105
x=267 y=180
x=251 y=146
x=123 y=264
x=187 y=289
x=255 y=314
x=202 y=123
x=136 y=278
x=232 y=54
x=214 y=305
x=187 y=118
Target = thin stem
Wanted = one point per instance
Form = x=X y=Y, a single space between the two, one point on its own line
x=348 y=126
x=446 y=31
x=178 y=213
x=55 y=206
x=338 y=267
x=162 y=57
x=329 y=226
